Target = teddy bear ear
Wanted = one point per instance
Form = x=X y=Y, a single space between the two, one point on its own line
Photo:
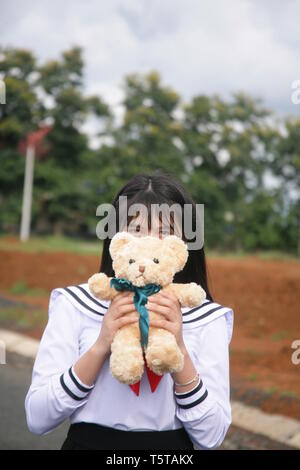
x=119 y=240
x=179 y=249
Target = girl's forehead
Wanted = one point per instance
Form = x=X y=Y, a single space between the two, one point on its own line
x=142 y=226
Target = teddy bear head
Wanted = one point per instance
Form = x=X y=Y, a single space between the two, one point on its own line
x=145 y=260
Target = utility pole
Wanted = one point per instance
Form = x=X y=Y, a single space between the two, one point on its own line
x=27 y=194
x=30 y=147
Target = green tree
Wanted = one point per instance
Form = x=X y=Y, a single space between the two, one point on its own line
x=227 y=145
x=52 y=93
x=147 y=139
x=286 y=168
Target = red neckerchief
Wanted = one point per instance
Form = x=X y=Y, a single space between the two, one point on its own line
x=153 y=379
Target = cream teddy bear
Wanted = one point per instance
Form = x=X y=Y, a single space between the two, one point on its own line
x=143 y=261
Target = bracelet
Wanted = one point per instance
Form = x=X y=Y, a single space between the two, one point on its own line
x=190 y=382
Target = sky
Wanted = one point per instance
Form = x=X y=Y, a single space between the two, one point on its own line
x=212 y=46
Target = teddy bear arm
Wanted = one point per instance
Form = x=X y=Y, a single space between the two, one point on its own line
x=99 y=285
x=178 y=290
x=189 y=295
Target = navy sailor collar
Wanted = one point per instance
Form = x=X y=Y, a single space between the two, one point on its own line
x=82 y=298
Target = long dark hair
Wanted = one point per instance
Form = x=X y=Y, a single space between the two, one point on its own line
x=159 y=188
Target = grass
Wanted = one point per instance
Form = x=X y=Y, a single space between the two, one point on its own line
x=22 y=318
x=252 y=352
x=94 y=247
x=283 y=334
x=252 y=377
x=282 y=394
x=51 y=244
x=288 y=394
x=271 y=390
x=20 y=288
x=265 y=255
x=274 y=255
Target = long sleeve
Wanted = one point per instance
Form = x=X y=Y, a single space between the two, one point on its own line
x=56 y=391
x=205 y=411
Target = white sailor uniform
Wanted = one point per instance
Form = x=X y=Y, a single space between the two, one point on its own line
x=56 y=392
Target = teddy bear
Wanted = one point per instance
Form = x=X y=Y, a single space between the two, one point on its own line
x=144 y=262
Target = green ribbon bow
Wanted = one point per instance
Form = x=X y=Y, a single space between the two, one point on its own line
x=140 y=299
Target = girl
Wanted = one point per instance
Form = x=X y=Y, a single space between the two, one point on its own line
x=71 y=376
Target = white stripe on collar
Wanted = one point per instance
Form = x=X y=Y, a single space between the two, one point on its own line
x=82 y=298
x=204 y=313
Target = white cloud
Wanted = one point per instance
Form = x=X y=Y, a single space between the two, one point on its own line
x=198 y=47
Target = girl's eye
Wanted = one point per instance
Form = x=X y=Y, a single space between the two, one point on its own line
x=131 y=261
x=156 y=260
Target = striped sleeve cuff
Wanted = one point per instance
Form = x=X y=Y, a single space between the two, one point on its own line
x=73 y=386
x=190 y=399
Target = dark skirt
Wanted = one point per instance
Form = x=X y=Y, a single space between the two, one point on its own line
x=90 y=436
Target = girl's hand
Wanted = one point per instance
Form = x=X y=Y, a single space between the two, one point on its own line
x=121 y=312
x=168 y=306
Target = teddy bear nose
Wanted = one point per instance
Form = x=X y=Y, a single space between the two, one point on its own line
x=141 y=269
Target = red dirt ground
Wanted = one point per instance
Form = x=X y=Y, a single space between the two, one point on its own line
x=264 y=295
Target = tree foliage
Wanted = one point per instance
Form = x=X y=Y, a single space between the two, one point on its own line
x=235 y=156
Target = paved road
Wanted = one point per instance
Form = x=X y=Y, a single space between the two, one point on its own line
x=15 y=378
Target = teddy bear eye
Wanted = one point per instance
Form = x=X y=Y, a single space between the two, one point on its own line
x=156 y=260
x=131 y=261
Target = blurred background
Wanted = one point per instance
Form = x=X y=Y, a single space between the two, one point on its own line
x=93 y=93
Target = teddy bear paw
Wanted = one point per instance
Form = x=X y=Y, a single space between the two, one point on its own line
x=99 y=285
x=127 y=373
x=126 y=363
x=193 y=295
x=165 y=359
